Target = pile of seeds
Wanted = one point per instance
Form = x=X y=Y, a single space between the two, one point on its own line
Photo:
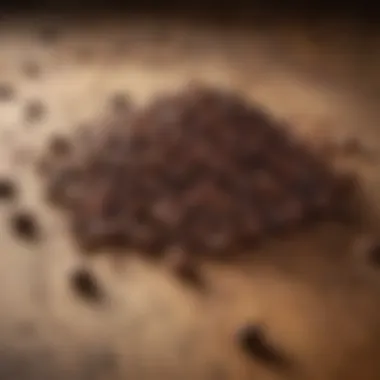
x=200 y=170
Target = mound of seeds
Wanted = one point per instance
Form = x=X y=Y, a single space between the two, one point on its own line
x=201 y=170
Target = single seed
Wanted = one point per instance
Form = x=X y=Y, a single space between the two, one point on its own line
x=85 y=285
x=24 y=225
x=34 y=111
x=7 y=189
x=184 y=268
x=120 y=102
x=59 y=146
x=253 y=341
x=374 y=255
x=7 y=92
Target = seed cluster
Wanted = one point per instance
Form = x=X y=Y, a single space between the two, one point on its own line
x=200 y=170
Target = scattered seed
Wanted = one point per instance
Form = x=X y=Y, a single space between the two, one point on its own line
x=253 y=341
x=60 y=146
x=25 y=226
x=85 y=285
x=120 y=102
x=374 y=254
x=7 y=189
x=34 y=111
x=7 y=92
x=184 y=268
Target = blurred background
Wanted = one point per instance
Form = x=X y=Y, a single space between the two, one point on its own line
x=276 y=8
x=67 y=63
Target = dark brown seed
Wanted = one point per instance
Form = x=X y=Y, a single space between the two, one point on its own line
x=25 y=226
x=85 y=285
x=184 y=268
x=7 y=92
x=60 y=146
x=201 y=169
x=374 y=254
x=252 y=341
x=267 y=184
x=190 y=274
x=7 y=189
x=64 y=188
x=34 y=111
x=120 y=102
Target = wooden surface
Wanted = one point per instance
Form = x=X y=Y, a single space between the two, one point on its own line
x=315 y=293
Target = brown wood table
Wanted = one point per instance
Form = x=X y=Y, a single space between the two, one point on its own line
x=315 y=294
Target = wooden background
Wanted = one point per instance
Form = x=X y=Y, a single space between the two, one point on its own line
x=316 y=292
